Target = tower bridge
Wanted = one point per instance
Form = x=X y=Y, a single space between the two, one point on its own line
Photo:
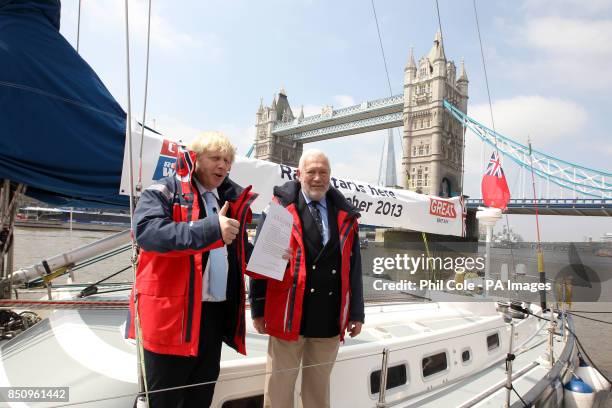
x=432 y=139
x=433 y=113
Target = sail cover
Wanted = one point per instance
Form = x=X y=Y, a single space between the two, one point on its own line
x=61 y=131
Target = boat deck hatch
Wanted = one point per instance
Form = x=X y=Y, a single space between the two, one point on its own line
x=446 y=323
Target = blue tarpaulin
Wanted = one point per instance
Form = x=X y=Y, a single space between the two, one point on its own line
x=61 y=131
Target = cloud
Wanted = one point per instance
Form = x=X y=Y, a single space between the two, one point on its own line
x=357 y=160
x=340 y=101
x=174 y=128
x=343 y=101
x=242 y=137
x=581 y=38
x=544 y=119
x=310 y=110
x=110 y=18
x=567 y=7
x=177 y=129
x=549 y=122
x=562 y=49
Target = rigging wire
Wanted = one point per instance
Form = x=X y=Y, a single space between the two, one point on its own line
x=144 y=109
x=580 y=346
x=382 y=50
x=142 y=383
x=585 y=311
x=589 y=318
x=384 y=58
x=93 y=290
x=78 y=27
x=519 y=396
x=484 y=67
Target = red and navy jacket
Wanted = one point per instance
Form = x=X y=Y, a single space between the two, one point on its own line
x=174 y=239
x=280 y=302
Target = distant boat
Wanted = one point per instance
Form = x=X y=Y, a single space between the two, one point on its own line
x=44 y=217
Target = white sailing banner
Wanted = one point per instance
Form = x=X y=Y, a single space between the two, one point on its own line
x=379 y=206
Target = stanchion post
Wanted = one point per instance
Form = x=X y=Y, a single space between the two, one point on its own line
x=383 y=379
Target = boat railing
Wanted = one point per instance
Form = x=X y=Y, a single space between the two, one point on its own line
x=558 y=375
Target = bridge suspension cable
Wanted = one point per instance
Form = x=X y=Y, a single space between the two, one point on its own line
x=571 y=176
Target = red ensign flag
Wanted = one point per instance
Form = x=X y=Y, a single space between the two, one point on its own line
x=495 y=192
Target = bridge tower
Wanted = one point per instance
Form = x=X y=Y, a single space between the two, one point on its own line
x=433 y=140
x=272 y=147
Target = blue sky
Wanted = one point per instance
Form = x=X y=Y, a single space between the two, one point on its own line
x=548 y=63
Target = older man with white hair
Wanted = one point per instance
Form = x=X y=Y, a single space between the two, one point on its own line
x=321 y=295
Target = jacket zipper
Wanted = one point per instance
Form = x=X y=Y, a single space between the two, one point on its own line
x=296 y=269
x=190 y=298
x=190 y=289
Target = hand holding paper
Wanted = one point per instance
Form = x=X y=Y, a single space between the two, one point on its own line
x=270 y=255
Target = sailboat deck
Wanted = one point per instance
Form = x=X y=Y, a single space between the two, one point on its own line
x=466 y=392
x=409 y=331
x=383 y=323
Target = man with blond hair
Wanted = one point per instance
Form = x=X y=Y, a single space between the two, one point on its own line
x=321 y=295
x=189 y=289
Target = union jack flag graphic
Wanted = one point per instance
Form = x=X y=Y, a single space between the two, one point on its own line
x=494 y=168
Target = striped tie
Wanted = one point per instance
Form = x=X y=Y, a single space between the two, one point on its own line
x=316 y=214
x=217 y=259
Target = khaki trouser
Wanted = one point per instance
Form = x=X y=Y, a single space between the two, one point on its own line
x=282 y=367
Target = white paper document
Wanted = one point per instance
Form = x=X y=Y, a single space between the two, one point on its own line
x=272 y=242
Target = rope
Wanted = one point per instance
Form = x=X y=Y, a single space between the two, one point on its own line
x=517 y=394
x=589 y=358
x=114 y=290
x=93 y=288
x=111 y=275
x=64 y=304
x=589 y=318
x=585 y=311
x=580 y=346
x=71 y=287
